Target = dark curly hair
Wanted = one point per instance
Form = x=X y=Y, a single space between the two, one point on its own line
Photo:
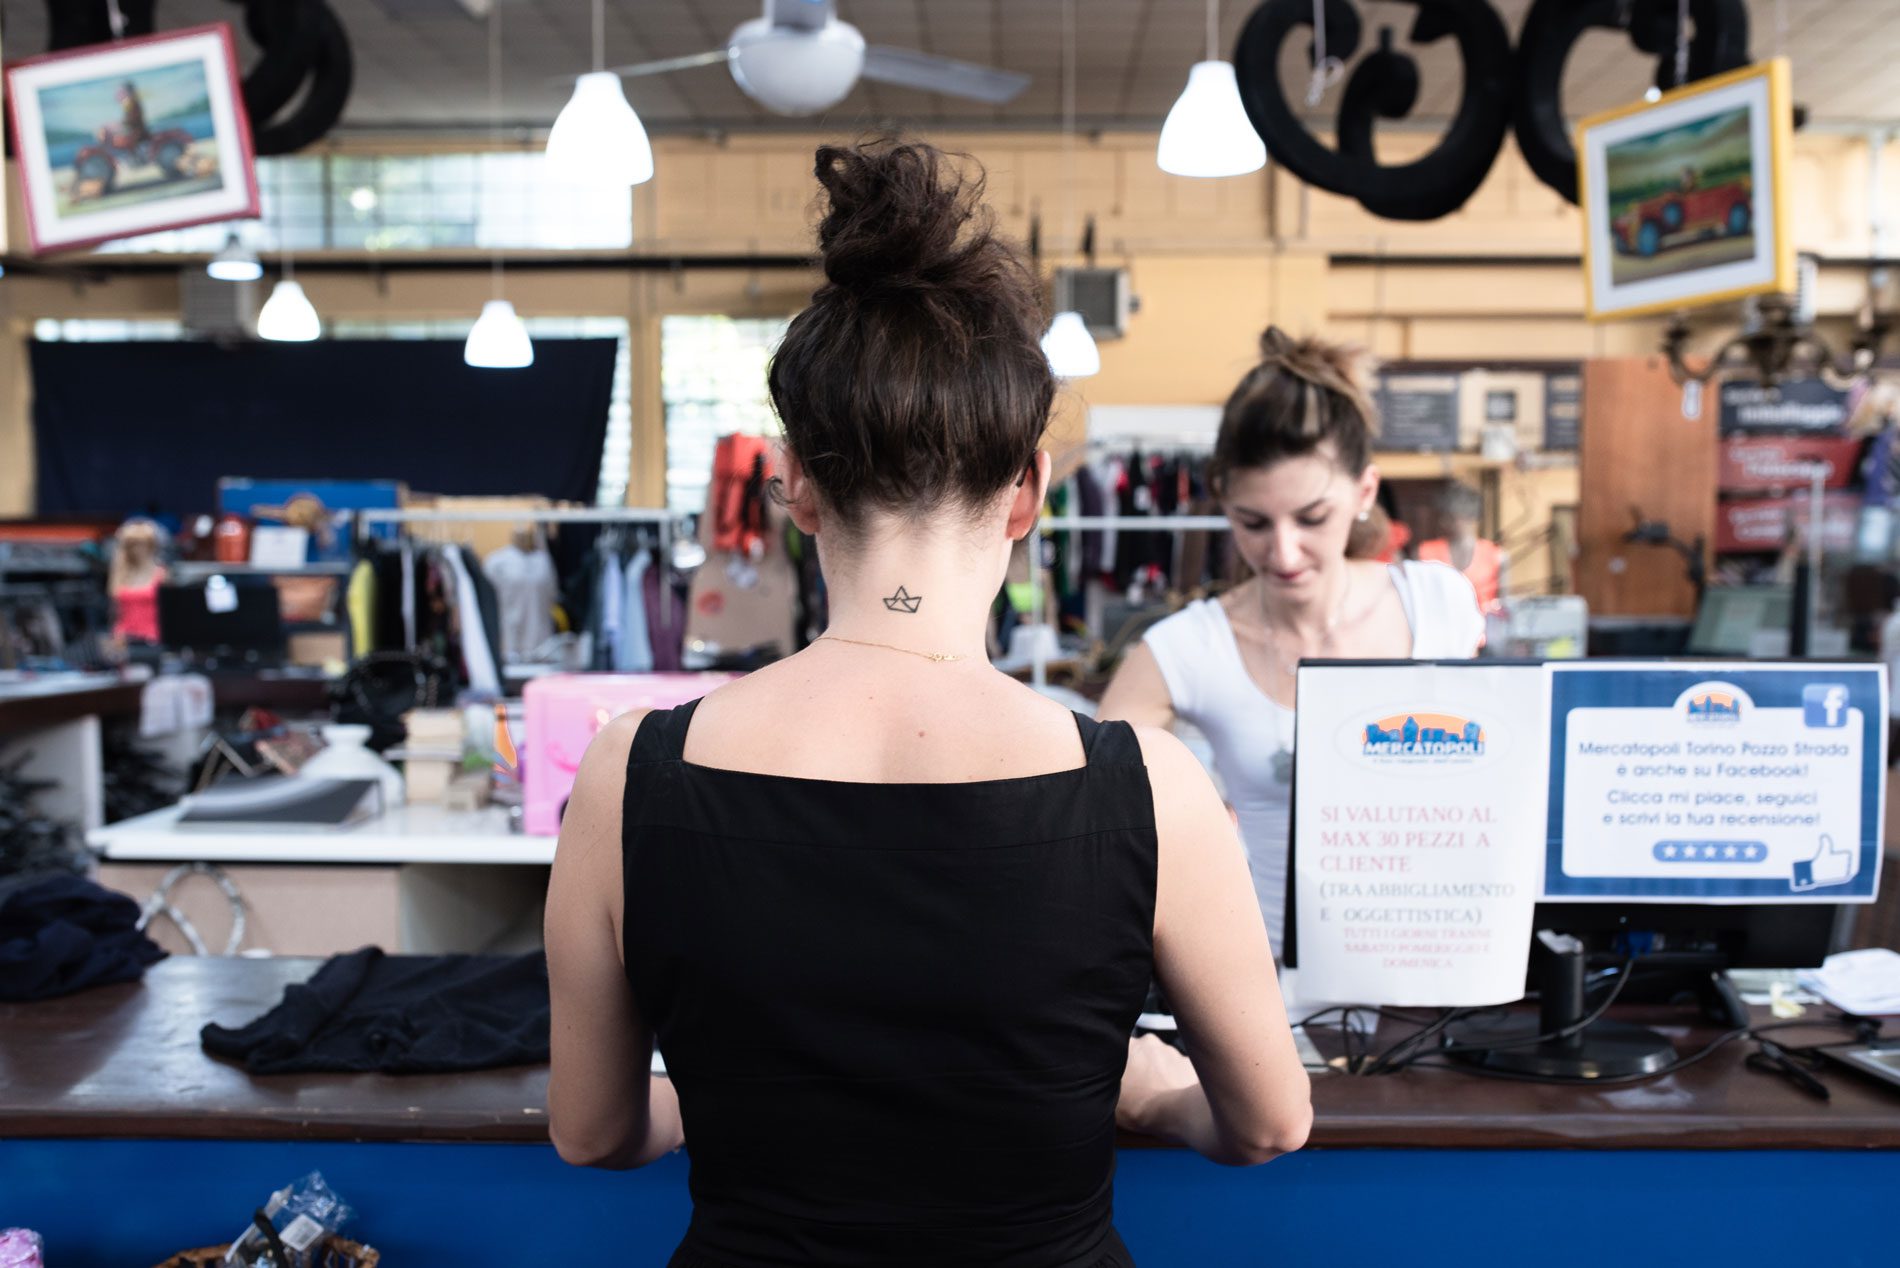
x=915 y=382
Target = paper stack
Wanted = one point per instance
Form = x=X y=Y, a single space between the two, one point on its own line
x=1866 y=983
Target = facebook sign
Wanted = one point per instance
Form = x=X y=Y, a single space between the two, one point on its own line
x=1824 y=704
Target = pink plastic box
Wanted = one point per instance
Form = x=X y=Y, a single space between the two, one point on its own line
x=565 y=711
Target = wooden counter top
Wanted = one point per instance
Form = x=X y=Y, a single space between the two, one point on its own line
x=124 y=1061
x=31 y=705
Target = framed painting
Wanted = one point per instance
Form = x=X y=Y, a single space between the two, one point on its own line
x=1685 y=199
x=132 y=137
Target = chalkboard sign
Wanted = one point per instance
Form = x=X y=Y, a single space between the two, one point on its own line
x=1794 y=405
x=1419 y=412
x=1563 y=410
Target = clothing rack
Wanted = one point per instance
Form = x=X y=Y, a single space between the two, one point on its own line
x=668 y=522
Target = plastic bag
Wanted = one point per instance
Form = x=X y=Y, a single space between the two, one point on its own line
x=305 y=1215
x=20 y=1248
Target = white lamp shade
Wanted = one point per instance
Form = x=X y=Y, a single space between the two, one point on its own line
x=1071 y=348
x=499 y=340
x=287 y=316
x=597 y=139
x=1208 y=132
x=236 y=263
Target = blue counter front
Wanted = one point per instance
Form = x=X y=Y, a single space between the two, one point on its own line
x=121 y=1143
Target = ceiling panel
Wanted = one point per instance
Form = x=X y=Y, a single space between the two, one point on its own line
x=427 y=65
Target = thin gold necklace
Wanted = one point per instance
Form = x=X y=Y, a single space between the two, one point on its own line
x=1267 y=636
x=942 y=658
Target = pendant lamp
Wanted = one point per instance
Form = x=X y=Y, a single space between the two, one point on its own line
x=1067 y=343
x=499 y=340
x=236 y=262
x=1071 y=348
x=287 y=316
x=597 y=139
x=1207 y=133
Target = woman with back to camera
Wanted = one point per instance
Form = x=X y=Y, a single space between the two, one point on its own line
x=1293 y=469
x=889 y=914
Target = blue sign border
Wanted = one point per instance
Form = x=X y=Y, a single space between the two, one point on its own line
x=1590 y=687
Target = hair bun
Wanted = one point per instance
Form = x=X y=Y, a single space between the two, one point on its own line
x=897 y=214
x=1331 y=366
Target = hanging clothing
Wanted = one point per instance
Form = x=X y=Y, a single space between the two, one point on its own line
x=741 y=469
x=138 y=610
x=611 y=600
x=666 y=618
x=478 y=655
x=1485 y=572
x=952 y=976
x=633 y=653
x=1209 y=686
x=408 y=583
x=525 y=586
x=362 y=605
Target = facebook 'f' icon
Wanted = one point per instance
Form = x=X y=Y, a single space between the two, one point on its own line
x=1824 y=704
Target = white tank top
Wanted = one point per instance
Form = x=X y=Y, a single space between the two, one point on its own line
x=1211 y=689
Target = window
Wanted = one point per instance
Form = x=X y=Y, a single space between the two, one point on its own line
x=96 y=330
x=413 y=202
x=712 y=374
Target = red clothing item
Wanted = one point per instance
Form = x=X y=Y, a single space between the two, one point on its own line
x=1485 y=571
x=138 y=611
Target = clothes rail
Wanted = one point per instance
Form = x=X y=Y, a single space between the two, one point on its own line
x=1175 y=523
x=496 y=515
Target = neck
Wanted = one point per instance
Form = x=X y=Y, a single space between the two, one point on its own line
x=1309 y=619
x=950 y=585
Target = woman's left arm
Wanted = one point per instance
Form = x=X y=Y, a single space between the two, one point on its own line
x=604 y=1107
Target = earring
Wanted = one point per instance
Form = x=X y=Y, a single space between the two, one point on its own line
x=1364 y=516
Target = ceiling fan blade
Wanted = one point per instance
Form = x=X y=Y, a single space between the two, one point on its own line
x=718 y=57
x=929 y=73
x=799 y=15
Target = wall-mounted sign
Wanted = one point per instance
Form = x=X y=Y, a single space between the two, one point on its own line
x=1794 y=405
x=1419 y=413
x=1563 y=410
x=1751 y=464
x=1766 y=524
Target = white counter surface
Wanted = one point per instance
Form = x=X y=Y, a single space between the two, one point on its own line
x=407 y=834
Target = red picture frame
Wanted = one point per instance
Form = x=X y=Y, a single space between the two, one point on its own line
x=137 y=136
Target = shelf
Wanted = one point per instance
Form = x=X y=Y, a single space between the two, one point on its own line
x=198 y=570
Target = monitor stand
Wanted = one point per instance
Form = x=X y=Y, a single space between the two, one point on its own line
x=1601 y=1050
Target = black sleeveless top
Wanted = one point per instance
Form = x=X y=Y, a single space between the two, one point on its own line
x=896 y=1014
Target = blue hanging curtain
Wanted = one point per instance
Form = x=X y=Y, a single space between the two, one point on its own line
x=151 y=427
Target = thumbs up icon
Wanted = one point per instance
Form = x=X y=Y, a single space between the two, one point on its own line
x=1831 y=865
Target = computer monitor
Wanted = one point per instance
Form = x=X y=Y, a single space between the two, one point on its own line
x=223 y=621
x=1742 y=621
x=1677 y=938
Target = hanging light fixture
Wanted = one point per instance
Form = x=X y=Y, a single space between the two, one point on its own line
x=236 y=262
x=499 y=340
x=1207 y=133
x=597 y=139
x=1068 y=345
x=287 y=316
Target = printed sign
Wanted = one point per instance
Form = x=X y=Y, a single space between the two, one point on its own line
x=1766 y=524
x=1794 y=405
x=1760 y=463
x=1420 y=806
x=1563 y=410
x=1716 y=783
x=1419 y=412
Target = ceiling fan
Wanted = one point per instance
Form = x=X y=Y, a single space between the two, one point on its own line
x=801 y=58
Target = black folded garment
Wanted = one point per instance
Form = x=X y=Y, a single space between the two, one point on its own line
x=400 y=1014
x=65 y=934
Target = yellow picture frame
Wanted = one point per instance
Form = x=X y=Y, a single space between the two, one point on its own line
x=1670 y=220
